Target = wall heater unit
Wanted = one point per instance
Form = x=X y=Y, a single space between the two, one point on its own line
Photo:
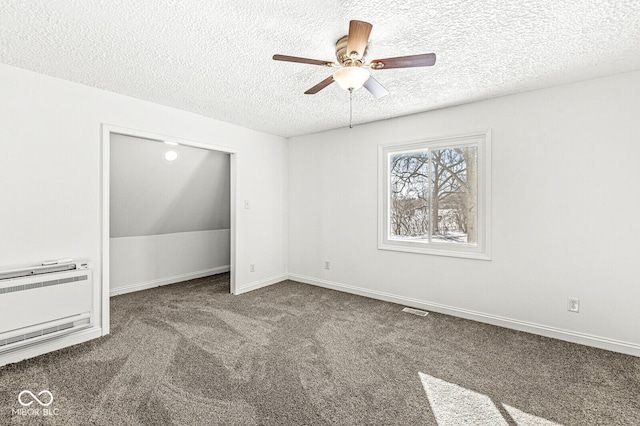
x=42 y=303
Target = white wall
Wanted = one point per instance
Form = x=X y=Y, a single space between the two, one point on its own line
x=565 y=206
x=146 y=261
x=50 y=169
x=150 y=195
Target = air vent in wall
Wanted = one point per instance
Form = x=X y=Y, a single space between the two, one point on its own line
x=39 y=305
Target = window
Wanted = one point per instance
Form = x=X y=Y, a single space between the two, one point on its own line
x=434 y=196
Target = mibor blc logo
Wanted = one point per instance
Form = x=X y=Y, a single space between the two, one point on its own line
x=44 y=399
x=33 y=397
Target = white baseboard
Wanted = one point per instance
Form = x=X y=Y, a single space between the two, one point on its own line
x=542 y=330
x=43 y=347
x=262 y=283
x=168 y=280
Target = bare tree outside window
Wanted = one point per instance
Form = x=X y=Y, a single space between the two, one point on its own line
x=410 y=195
x=434 y=195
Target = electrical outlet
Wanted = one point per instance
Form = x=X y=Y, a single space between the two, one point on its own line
x=252 y=267
x=327 y=264
x=573 y=305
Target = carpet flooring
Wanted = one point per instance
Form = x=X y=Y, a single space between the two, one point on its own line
x=294 y=354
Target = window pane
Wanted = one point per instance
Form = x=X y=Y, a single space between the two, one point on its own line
x=409 y=200
x=454 y=195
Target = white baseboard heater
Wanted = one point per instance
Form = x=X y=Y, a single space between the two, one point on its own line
x=45 y=302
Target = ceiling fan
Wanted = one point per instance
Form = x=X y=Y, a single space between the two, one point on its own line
x=352 y=70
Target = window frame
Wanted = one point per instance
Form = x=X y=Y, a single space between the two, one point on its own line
x=481 y=250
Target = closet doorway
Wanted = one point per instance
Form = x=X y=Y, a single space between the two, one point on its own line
x=168 y=212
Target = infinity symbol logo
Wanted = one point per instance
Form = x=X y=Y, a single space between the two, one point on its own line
x=46 y=392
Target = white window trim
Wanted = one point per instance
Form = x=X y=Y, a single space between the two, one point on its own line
x=480 y=251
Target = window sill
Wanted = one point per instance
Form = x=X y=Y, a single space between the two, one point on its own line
x=435 y=251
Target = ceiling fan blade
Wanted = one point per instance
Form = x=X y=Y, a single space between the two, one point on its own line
x=375 y=88
x=301 y=60
x=425 y=60
x=358 y=37
x=318 y=87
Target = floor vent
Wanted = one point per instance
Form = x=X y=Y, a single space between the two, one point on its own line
x=415 y=312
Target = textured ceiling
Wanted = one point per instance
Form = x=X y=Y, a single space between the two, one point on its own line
x=213 y=57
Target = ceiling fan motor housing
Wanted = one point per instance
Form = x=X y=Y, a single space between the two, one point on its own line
x=346 y=58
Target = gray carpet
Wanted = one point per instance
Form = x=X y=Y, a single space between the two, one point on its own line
x=293 y=354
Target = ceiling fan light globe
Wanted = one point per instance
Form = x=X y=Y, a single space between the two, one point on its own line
x=351 y=77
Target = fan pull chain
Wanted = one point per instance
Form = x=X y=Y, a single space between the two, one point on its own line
x=351 y=108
